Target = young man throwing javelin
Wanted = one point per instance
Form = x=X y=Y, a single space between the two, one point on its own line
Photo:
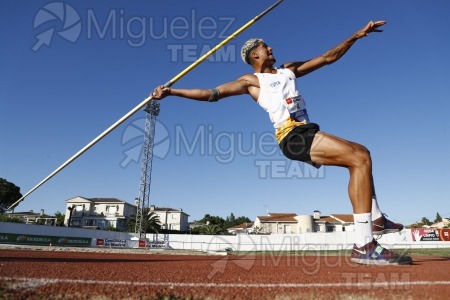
x=274 y=89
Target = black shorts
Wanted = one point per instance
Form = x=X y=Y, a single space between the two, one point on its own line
x=296 y=145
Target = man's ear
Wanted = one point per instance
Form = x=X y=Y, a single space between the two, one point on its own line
x=254 y=55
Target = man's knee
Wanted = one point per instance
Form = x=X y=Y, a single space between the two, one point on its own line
x=362 y=156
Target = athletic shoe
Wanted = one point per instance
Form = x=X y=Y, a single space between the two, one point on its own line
x=374 y=254
x=383 y=226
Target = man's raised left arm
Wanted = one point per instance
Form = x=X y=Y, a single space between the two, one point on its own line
x=334 y=54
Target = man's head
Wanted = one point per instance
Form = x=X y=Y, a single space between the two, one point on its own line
x=256 y=51
x=248 y=47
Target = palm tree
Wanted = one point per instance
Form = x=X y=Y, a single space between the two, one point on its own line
x=210 y=229
x=151 y=224
x=59 y=218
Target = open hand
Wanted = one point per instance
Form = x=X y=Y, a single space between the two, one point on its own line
x=372 y=26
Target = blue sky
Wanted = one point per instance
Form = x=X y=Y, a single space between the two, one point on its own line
x=390 y=92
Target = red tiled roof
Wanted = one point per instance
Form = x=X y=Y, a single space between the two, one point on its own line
x=278 y=218
x=290 y=217
x=244 y=225
x=327 y=219
x=336 y=218
x=346 y=218
x=270 y=214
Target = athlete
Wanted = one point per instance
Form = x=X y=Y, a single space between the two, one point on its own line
x=274 y=89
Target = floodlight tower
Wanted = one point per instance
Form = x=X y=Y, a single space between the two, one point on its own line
x=152 y=110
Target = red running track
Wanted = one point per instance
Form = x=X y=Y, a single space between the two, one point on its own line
x=81 y=275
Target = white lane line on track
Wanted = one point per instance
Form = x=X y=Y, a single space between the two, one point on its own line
x=26 y=285
x=44 y=281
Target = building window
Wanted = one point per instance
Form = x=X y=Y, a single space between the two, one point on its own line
x=111 y=209
x=331 y=228
x=287 y=229
x=101 y=223
x=78 y=210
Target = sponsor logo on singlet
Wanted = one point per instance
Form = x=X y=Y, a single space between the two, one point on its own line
x=274 y=84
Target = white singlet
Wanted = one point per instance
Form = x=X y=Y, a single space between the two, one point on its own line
x=279 y=96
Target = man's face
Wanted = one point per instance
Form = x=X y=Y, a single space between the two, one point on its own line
x=264 y=52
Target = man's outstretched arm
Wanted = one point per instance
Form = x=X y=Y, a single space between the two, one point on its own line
x=238 y=87
x=334 y=54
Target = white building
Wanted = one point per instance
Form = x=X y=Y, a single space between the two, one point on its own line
x=444 y=223
x=30 y=217
x=241 y=228
x=98 y=212
x=333 y=222
x=171 y=219
x=291 y=223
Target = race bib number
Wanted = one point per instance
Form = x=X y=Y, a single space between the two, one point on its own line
x=297 y=108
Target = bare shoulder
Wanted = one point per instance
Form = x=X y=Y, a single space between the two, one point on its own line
x=294 y=66
x=252 y=85
x=250 y=79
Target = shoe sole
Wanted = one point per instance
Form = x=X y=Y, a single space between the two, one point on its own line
x=380 y=262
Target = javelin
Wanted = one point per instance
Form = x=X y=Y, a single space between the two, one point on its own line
x=146 y=100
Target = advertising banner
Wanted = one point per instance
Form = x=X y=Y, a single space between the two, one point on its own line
x=26 y=239
x=156 y=245
x=430 y=234
x=111 y=243
x=117 y=243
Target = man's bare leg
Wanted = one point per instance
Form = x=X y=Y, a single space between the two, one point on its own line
x=327 y=149
x=376 y=212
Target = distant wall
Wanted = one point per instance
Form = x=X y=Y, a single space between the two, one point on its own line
x=294 y=242
x=41 y=235
x=240 y=242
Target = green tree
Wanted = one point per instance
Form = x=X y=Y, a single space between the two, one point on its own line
x=425 y=221
x=196 y=230
x=153 y=223
x=211 y=229
x=60 y=218
x=438 y=218
x=40 y=222
x=213 y=220
x=131 y=223
x=221 y=225
x=150 y=224
x=9 y=193
x=111 y=228
x=242 y=220
x=6 y=218
x=233 y=221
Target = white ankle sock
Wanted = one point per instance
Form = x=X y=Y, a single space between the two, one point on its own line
x=363 y=229
x=376 y=213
